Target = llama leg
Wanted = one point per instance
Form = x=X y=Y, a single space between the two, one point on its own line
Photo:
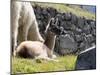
x=24 y=33
x=34 y=33
x=45 y=58
x=14 y=39
x=14 y=34
x=14 y=27
x=25 y=30
x=15 y=15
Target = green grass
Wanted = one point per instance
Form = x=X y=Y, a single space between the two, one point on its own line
x=20 y=65
x=73 y=9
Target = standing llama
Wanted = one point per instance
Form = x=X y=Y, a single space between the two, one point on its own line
x=23 y=23
x=36 y=49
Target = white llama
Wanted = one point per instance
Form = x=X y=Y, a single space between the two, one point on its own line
x=23 y=18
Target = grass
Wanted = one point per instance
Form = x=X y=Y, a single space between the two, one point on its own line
x=73 y=9
x=20 y=65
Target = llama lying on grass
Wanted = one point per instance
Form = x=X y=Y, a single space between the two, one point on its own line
x=33 y=49
x=23 y=20
x=36 y=49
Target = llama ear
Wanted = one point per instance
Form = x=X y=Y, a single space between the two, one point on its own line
x=56 y=21
x=52 y=21
x=48 y=25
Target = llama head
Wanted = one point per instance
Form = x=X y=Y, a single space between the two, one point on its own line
x=54 y=27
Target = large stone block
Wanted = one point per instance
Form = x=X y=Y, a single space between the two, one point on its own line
x=67 y=44
x=86 y=60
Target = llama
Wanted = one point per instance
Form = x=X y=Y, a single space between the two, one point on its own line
x=36 y=49
x=23 y=23
x=51 y=31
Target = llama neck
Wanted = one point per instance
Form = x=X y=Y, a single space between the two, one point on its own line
x=50 y=40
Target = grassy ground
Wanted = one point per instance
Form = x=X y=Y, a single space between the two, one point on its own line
x=20 y=65
x=73 y=9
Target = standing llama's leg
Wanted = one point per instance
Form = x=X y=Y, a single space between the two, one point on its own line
x=34 y=33
x=15 y=10
x=24 y=33
x=25 y=29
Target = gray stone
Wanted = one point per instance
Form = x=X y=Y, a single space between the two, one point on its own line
x=80 y=23
x=73 y=18
x=67 y=44
x=67 y=17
